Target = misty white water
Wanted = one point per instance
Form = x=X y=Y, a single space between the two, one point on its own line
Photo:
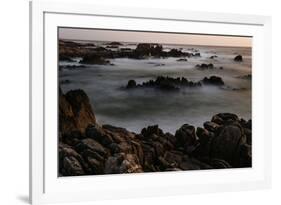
x=135 y=109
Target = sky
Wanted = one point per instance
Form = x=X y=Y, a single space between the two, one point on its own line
x=153 y=37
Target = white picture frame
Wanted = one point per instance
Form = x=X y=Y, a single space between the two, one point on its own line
x=46 y=186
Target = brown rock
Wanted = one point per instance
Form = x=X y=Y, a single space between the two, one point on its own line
x=187 y=138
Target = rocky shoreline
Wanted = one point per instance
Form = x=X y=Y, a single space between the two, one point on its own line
x=88 y=148
x=101 y=55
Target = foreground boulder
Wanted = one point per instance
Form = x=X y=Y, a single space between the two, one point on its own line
x=75 y=111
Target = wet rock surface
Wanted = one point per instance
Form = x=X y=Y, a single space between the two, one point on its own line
x=87 y=148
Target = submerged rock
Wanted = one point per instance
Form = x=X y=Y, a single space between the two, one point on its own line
x=205 y=66
x=213 y=80
x=94 y=59
x=238 y=58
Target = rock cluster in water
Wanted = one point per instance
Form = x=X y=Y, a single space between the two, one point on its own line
x=93 y=54
x=164 y=83
x=209 y=66
x=87 y=148
x=174 y=84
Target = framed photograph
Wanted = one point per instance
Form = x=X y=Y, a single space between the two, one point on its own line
x=130 y=102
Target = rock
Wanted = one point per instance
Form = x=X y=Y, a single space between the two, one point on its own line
x=70 y=162
x=227 y=145
x=213 y=57
x=197 y=54
x=72 y=138
x=97 y=133
x=131 y=84
x=224 y=118
x=238 y=58
x=75 y=111
x=118 y=134
x=205 y=66
x=86 y=147
x=72 y=167
x=94 y=58
x=205 y=140
x=173 y=158
x=69 y=50
x=122 y=163
x=211 y=126
x=187 y=138
x=182 y=59
x=96 y=166
x=213 y=80
x=92 y=145
x=150 y=130
x=164 y=83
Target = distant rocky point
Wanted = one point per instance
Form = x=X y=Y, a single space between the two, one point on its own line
x=101 y=55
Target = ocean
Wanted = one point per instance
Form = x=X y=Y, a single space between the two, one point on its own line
x=135 y=109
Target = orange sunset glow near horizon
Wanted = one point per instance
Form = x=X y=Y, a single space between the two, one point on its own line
x=153 y=37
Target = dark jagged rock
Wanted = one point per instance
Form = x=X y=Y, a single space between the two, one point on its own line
x=213 y=80
x=224 y=142
x=122 y=163
x=182 y=59
x=197 y=54
x=229 y=145
x=97 y=133
x=94 y=59
x=225 y=118
x=213 y=57
x=238 y=58
x=211 y=126
x=75 y=111
x=131 y=84
x=187 y=138
x=205 y=66
x=164 y=83
x=209 y=66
